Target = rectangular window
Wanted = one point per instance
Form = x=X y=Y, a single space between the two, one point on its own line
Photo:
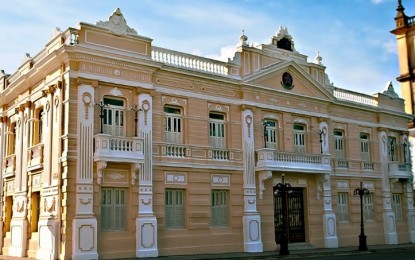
x=174 y=209
x=113 y=121
x=339 y=144
x=299 y=138
x=364 y=147
x=8 y=213
x=38 y=127
x=217 y=130
x=342 y=207
x=270 y=132
x=172 y=125
x=368 y=212
x=397 y=206
x=11 y=139
x=391 y=149
x=113 y=209
x=219 y=208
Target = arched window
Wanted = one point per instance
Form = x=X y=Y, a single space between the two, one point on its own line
x=299 y=138
x=114 y=120
x=270 y=134
x=172 y=124
x=217 y=130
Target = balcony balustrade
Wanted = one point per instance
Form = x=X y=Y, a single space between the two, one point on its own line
x=398 y=170
x=118 y=149
x=9 y=166
x=35 y=157
x=270 y=159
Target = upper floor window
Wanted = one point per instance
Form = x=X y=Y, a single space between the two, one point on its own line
x=11 y=139
x=217 y=130
x=339 y=143
x=172 y=124
x=38 y=127
x=392 y=149
x=113 y=121
x=364 y=147
x=299 y=138
x=270 y=134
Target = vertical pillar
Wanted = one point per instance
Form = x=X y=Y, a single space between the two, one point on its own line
x=410 y=207
x=18 y=224
x=84 y=224
x=146 y=222
x=329 y=217
x=2 y=153
x=389 y=224
x=251 y=218
x=49 y=225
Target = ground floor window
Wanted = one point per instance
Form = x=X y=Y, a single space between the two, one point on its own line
x=9 y=213
x=368 y=212
x=342 y=207
x=113 y=209
x=35 y=211
x=397 y=206
x=219 y=208
x=174 y=208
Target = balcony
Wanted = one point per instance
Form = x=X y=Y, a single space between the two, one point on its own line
x=9 y=166
x=35 y=157
x=398 y=170
x=203 y=156
x=271 y=160
x=118 y=149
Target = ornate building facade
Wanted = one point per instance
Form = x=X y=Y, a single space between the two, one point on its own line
x=113 y=147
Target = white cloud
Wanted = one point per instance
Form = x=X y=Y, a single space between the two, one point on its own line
x=224 y=53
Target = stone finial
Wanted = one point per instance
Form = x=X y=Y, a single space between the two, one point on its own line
x=390 y=91
x=117 y=24
x=56 y=31
x=2 y=73
x=243 y=39
x=318 y=59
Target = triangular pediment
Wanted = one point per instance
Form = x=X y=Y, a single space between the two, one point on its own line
x=289 y=77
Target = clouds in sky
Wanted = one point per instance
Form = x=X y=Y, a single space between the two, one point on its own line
x=352 y=36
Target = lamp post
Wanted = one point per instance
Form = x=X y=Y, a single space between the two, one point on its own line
x=101 y=114
x=284 y=188
x=322 y=133
x=135 y=110
x=362 y=238
x=392 y=145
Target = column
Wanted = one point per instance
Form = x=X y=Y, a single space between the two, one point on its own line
x=329 y=217
x=251 y=218
x=49 y=224
x=407 y=186
x=146 y=222
x=389 y=225
x=84 y=224
x=3 y=123
x=19 y=221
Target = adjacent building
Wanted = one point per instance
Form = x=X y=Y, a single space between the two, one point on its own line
x=112 y=147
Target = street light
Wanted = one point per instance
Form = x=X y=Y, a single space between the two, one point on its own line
x=362 y=238
x=404 y=152
x=135 y=110
x=265 y=124
x=284 y=188
x=101 y=114
x=392 y=146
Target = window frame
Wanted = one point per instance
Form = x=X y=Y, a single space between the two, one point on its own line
x=397 y=205
x=365 y=154
x=271 y=133
x=300 y=138
x=342 y=207
x=117 y=223
x=219 y=208
x=218 y=128
x=116 y=114
x=173 y=125
x=339 y=143
x=172 y=207
x=368 y=207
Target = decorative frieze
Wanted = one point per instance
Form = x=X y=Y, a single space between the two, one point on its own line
x=176 y=178
x=220 y=179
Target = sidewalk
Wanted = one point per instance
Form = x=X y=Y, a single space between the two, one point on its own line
x=296 y=253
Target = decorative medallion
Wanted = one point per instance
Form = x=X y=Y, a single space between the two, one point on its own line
x=287 y=81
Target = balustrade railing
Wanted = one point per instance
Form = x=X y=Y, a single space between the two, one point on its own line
x=367 y=166
x=399 y=170
x=9 y=165
x=189 y=61
x=411 y=20
x=176 y=151
x=118 y=148
x=355 y=97
x=297 y=158
x=35 y=155
x=221 y=155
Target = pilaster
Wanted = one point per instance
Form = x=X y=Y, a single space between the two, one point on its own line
x=329 y=217
x=2 y=145
x=251 y=218
x=84 y=224
x=146 y=222
x=411 y=211
x=389 y=224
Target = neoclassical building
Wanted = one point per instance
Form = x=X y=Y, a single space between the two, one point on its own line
x=112 y=147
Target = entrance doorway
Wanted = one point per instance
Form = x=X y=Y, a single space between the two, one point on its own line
x=295 y=215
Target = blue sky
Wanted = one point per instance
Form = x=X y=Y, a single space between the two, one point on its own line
x=352 y=36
